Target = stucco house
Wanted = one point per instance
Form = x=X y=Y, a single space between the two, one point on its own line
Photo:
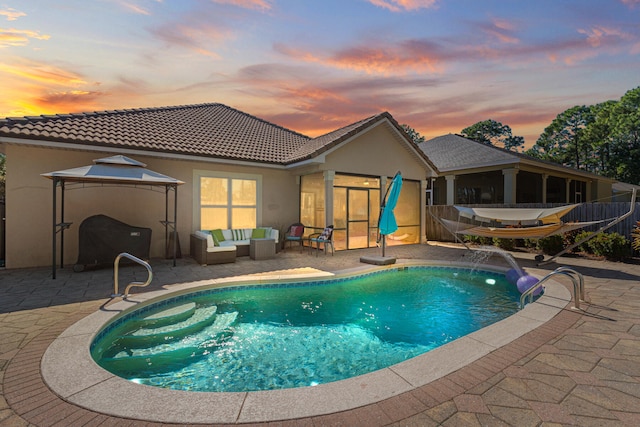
x=471 y=172
x=238 y=171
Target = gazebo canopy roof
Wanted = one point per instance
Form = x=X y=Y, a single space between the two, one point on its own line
x=115 y=169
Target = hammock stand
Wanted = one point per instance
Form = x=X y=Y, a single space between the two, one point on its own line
x=524 y=223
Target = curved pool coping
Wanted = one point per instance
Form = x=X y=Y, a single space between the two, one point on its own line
x=68 y=369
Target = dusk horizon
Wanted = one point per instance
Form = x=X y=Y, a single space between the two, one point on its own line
x=435 y=65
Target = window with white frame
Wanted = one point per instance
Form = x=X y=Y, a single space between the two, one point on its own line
x=226 y=201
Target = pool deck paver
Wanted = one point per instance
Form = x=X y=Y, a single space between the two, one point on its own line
x=580 y=368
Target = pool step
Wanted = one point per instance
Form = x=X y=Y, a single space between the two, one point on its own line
x=168 y=316
x=153 y=334
x=168 y=356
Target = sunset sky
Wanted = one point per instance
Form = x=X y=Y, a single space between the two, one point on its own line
x=314 y=66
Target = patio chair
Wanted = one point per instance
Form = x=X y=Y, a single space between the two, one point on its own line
x=294 y=234
x=326 y=238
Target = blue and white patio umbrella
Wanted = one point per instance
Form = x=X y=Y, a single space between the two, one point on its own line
x=387 y=222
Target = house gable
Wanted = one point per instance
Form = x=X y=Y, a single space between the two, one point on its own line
x=378 y=149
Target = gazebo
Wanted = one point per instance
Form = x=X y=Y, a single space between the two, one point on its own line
x=114 y=170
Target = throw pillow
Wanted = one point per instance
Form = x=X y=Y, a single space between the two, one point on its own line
x=238 y=234
x=258 y=233
x=325 y=234
x=217 y=236
x=296 y=231
x=267 y=232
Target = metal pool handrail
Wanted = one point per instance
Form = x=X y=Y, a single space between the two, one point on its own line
x=578 y=286
x=116 y=265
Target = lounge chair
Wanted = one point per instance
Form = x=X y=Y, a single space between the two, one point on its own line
x=326 y=238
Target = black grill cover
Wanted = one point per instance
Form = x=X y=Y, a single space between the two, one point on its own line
x=103 y=238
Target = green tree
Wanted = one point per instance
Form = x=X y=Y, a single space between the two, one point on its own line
x=597 y=136
x=491 y=132
x=625 y=137
x=562 y=141
x=413 y=134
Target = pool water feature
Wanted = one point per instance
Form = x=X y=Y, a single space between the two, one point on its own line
x=279 y=336
x=483 y=253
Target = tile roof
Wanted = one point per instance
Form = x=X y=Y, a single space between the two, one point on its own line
x=201 y=130
x=208 y=130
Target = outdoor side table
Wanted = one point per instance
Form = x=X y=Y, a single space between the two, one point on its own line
x=262 y=248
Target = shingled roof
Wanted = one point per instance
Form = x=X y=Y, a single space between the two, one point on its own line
x=453 y=152
x=450 y=153
x=208 y=130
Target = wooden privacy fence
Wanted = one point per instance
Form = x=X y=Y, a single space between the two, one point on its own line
x=584 y=212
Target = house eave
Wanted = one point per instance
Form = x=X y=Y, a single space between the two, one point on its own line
x=314 y=161
x=564 y=170
x=476 y=167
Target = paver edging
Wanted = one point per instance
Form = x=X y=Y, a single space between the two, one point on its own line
x=33 y=352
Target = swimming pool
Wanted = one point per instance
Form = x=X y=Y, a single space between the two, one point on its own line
x=274 y=336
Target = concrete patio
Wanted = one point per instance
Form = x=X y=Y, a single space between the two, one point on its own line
x=580 y=368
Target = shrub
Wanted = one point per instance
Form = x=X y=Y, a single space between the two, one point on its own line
x=635 y=235
x=584 y=247
x=530 y=243
x=570 y=237
x=551 y=245
x=506 y=244
x=610 y=245
x=479 y=240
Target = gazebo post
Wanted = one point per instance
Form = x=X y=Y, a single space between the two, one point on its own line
x=171 y=224
x=54 y=228
x=62 y=224
x=166 y=219
x=175 y=223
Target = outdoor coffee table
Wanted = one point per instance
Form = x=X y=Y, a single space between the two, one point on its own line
x=262 y=248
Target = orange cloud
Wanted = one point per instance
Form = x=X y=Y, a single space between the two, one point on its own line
x=404 y=5
x=12 y=37
x=598 y=36
x=69 y=101
x=416 y=56
x=502 y=30
x=247 y=4
x=313 y=102
x=31 y=87
x=26 y=98
x=132 y=7
x=297 y=53
x=307 y=98
x=383 y=61
x=598 y=40
x=12 y=14
x=195 y=37
x=631 y=3
x=41 y=73
x=310 y=101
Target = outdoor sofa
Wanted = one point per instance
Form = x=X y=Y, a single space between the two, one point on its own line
x=224 y=245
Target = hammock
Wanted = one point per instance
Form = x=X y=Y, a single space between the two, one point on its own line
x=509 y=232
x=525 y=223
x=516 y=216
x=514 y=223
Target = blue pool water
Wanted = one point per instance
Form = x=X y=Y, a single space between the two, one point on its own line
x=281 y=336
